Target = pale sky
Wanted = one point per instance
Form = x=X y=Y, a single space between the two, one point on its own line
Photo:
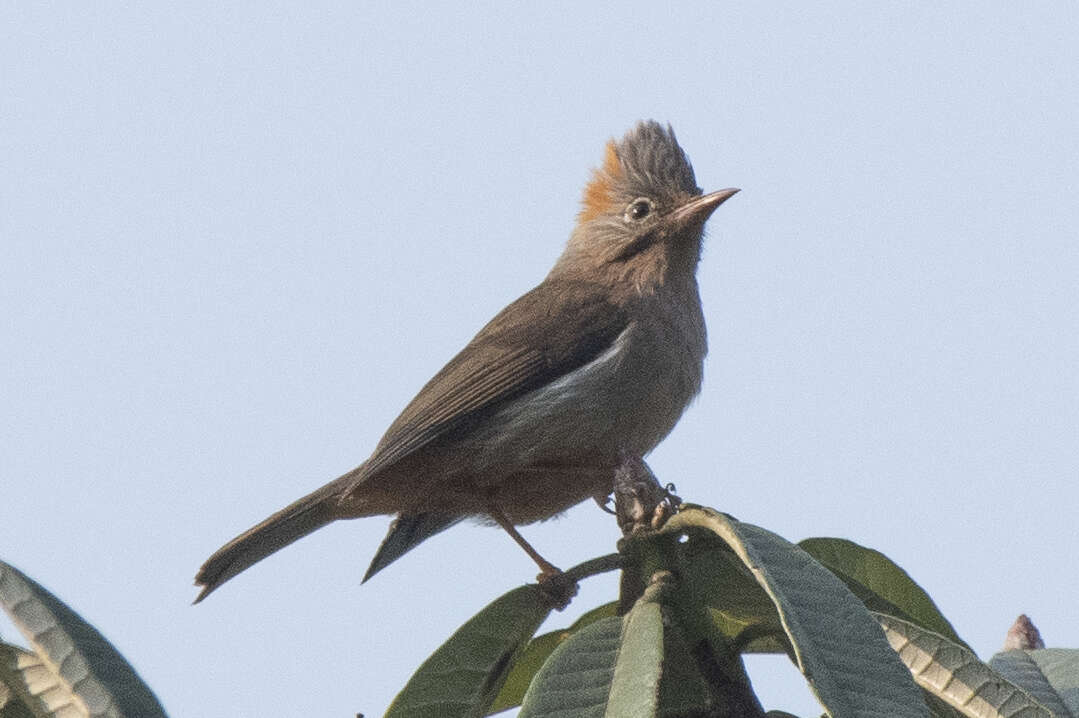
x=237 y=240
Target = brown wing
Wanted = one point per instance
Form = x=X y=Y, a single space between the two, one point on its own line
x=550 y=331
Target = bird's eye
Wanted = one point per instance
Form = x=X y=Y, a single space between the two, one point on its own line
x=638 y=209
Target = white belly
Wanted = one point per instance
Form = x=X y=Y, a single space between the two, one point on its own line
x=622 y=402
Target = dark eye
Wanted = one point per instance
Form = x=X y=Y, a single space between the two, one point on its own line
x=638 y=209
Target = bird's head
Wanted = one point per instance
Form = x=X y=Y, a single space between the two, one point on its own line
x=642 y=214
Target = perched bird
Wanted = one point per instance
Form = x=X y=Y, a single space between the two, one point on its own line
x=535 y=415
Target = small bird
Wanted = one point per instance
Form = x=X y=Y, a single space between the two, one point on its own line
x=536 y=414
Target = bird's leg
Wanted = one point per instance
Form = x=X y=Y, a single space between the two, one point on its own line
x=558 y=587
x=639 y=500
x=547 y=569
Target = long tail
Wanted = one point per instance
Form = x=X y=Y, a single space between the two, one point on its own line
x=290 y=523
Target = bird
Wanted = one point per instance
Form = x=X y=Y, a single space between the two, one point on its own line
x=535 y=415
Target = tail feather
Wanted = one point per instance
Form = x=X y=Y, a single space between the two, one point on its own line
x=287 y=525
x=407 y=532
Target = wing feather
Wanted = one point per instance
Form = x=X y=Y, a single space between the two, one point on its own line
x=547 y=333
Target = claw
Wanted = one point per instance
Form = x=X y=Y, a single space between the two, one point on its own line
x=602 y=502
x=673 y=499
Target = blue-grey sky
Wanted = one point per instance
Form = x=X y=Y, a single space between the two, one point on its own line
x=237 y=239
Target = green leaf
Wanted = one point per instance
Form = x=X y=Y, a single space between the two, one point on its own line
x=1049 y=675
x=880 y=583
x=28 y=689
x=611 y=668
x=465 y=674
x=953 y=674
x=576 y=679
x=837 y=644
x=740 y=609
x=75 y=654
x=938 y=708
x=536 y=652
x=683 y=691
x=635 y=684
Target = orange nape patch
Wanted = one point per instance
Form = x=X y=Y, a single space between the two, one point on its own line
x=599 y=196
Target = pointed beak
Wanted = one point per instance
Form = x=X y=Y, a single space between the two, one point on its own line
x=699 y=209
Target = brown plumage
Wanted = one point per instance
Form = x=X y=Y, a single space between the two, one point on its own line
x=535 y=414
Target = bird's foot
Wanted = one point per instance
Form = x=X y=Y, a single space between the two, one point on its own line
x=557 y=587
x=672 y=499
x=639 y=500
